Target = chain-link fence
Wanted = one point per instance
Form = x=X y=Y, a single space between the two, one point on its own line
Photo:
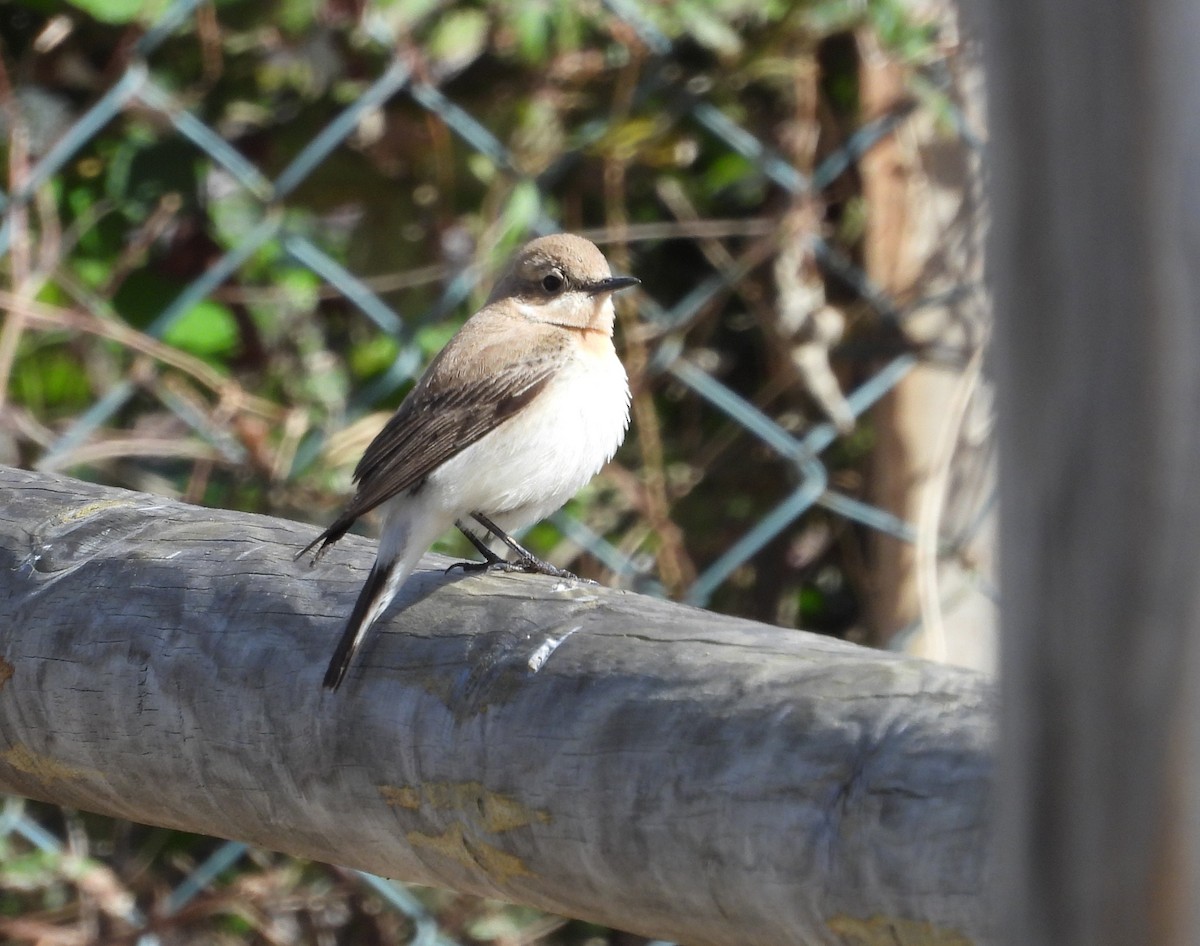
x=192 y=306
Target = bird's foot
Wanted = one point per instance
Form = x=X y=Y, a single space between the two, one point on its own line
x=500 y=565
x=492 y=562
x=526 y=561
x=533 y=565
x=469 y=567
x=527 y=566
x=491 y=559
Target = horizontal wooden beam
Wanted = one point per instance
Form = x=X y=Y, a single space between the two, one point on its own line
x=595 y=753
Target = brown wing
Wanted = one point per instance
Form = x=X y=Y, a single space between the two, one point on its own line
x=453 y=405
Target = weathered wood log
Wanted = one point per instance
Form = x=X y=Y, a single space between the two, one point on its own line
x=596 y=753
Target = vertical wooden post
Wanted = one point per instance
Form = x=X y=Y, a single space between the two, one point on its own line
x=1095 y=253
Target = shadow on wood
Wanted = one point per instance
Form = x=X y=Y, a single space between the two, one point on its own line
x=595 y=753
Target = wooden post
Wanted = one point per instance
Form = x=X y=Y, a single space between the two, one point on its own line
x=1095 y=142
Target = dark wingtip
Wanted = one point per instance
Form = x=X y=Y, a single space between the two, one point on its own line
x=308 y=548
x=339 y=528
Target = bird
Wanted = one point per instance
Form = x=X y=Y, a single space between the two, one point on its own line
x=520 y=409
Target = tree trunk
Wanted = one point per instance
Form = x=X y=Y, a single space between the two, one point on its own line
x=595 y=753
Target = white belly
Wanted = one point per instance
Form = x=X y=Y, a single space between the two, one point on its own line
x=534 y=462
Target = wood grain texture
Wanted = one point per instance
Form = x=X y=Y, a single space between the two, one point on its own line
x=1093 y=147
x=595 y=753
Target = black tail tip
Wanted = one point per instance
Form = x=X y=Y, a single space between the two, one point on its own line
x=333 y=678
x=358 y=625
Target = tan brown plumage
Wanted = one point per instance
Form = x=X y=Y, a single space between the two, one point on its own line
x=519 y=410
x=452 y=406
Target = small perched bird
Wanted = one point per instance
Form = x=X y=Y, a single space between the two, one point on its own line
x=514 y=416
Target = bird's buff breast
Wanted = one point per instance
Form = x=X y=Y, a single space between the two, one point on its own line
x=529 y=466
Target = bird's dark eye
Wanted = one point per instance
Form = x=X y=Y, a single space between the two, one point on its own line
x=553 y=281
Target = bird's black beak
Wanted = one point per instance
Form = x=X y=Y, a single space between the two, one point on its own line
x=613 y=284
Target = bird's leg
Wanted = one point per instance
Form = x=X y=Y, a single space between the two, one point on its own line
x=494 y=563
x=491 y=559
x=528 y=561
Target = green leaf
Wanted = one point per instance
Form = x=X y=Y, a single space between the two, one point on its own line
x=121 y=11
x=708 y=29
x=301 y=288
x=373 y=357
x=531 y=23
x=481 y=166
x=727 y=170
x=49 y=379
x=523 y=208
x=433 y=338
x=403 y=16
x=626 y=139
x=207 y=329
x=899 y=31
x=811 y=605
x=295 y=17
x=233 y=214
x=142 y=172
x=93 y=272
x=459 y=37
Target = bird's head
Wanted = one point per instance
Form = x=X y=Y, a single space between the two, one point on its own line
x=562 y=279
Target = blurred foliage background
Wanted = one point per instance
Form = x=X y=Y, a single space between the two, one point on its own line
x=219 y=287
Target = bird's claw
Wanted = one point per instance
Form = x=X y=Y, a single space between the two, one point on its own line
x=535 y=566
x=467 y=567
x=499 y=565
x=528 y=566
